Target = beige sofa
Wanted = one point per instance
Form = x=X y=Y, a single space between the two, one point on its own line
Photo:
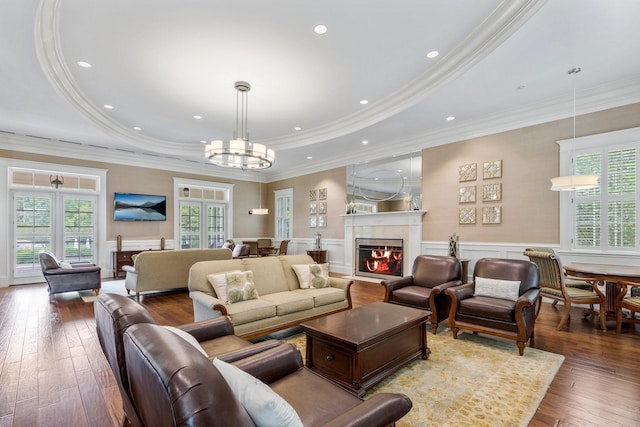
x=163 y=270
x=281 y=303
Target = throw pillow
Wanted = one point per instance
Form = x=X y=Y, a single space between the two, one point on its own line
x=303 y=272
x=496 y=288
x=240 y=286
x=236 y=251
x=320 y=275
x=264 y=406
x=65 y=264
x=188 y=338
x=219 y=283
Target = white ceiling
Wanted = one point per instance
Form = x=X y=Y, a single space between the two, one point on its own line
x=160 y=62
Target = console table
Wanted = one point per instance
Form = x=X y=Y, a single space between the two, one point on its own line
x=120 y=259
x=318 y=255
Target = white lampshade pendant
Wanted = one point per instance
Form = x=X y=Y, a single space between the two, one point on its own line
x=574 y=182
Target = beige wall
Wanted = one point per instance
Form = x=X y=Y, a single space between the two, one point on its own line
x=335 y=181
x=129 y=179
x=530 y=158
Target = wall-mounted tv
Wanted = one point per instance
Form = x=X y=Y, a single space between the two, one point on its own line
x=139 y=207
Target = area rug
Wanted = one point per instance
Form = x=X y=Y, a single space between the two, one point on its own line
x=107 y=286
x=472 y=381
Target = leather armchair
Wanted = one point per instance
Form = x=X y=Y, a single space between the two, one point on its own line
x=114 y=314
x=77 y=278
x=199 y=395
x=424 y=289
x=497 y=316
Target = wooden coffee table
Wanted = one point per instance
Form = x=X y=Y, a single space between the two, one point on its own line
x=358 y=348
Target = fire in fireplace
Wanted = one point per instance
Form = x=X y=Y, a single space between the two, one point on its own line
x=379 y=257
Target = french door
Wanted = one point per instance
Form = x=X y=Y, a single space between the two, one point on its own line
x=202 y=224
x=63 y=223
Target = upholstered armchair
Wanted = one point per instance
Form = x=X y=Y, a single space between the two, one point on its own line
x=173 y=384
x=500 y=301
x=64 y=277
x=424 y=289
x=114 y=314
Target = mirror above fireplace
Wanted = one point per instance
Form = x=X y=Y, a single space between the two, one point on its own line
x=386 y=185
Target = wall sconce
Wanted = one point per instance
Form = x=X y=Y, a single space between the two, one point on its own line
x=185 y=191
x=57 y=182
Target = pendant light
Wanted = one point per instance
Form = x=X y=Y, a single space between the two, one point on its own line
x=260 y=210
x=240 y=152
x=574 y=182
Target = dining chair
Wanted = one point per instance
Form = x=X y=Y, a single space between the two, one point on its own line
x=553 y=285
x=282 y=250
x=629 y=302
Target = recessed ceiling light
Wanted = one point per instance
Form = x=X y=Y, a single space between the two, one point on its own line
x=320 y=29
x=433 y=54
x=297 y=128
x=138 y=128
x=365 y=142
x=309 y=157
x=202 y=141
x=450 y=118
x=364 y=101
x=197 y=117
x=108 y=107
x=83 y=64
x=399 y=170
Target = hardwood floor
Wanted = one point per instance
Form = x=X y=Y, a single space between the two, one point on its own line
x=53 y=372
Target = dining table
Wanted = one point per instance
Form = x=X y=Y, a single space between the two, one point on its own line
x=606 y=275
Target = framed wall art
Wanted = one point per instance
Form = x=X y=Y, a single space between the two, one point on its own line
x=322 y=194
x=313 y=195
x=491 y=192
x=467 y=172
x=467 y=194
x=467 y=215
x=322 y=208
x=492 y=215
x=313 y=222
x=322 y=221
x=313 y=208
x=492 y=169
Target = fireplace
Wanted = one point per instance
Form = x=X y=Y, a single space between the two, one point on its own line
x=379 y=258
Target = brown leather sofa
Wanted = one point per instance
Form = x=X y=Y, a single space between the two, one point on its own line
x=114 y=314
x=424 y=289
x=507 y=318
x=173 y=384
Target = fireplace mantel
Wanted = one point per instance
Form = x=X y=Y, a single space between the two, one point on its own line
x=406 y=225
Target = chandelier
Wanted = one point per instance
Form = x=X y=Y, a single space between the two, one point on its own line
x=240 y=152
x=574 y=182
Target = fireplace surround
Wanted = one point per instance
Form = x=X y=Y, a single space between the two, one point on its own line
x=406 y=225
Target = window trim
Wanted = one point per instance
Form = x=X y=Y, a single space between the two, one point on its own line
x=584 y=145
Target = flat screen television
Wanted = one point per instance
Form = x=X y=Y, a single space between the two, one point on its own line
x=139 y=207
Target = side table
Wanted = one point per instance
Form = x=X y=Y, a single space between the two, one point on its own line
x=318 y=255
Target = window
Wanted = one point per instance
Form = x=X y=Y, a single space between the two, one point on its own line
x=284 y=213
x=605 y=218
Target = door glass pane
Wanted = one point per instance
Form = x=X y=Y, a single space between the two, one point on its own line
x=189 y=225
x=79 y=230
x=33 y=231
x=215 y=225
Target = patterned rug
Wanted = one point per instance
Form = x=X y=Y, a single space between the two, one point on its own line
x=475 y=380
